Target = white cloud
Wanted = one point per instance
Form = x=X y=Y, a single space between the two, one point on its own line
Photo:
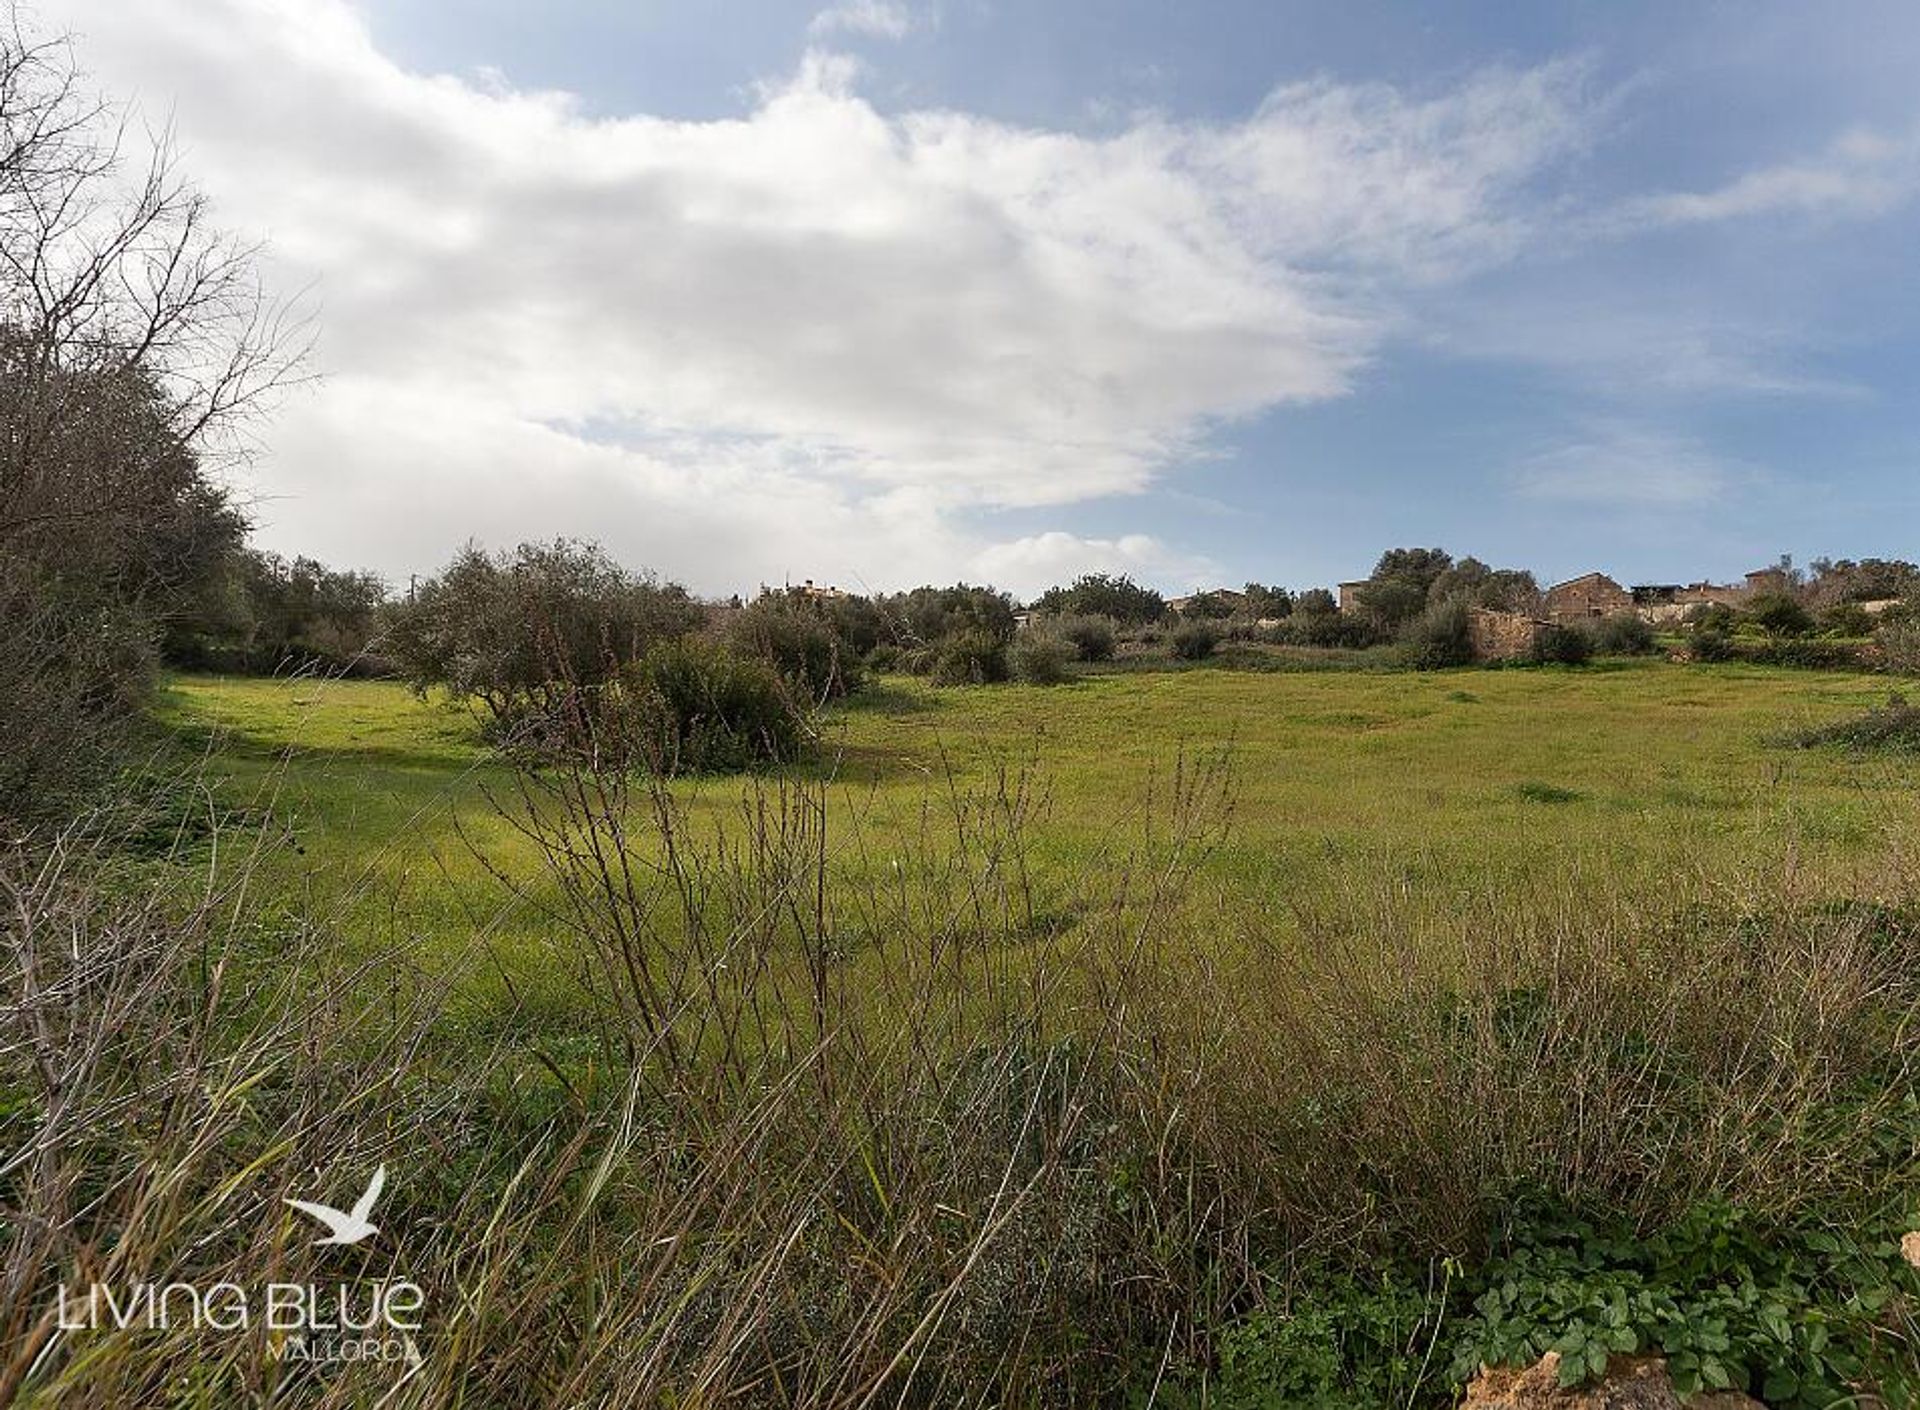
x=1862 y=174
x=880 y=19
x=813 y=332
x=1030 y=565
x=1620 y=465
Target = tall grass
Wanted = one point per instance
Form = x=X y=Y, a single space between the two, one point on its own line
x=886 y=1112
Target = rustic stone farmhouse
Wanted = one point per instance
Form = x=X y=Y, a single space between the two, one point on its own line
x=1221 y=601
x=1589 y=595
x=1350 y=593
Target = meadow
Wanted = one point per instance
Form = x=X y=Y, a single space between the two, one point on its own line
x=1193 y=1038
x=1447 y=786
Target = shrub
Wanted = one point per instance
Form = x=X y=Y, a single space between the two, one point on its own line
x=702 y=708
x=1104 y=595
x=1561 y=645
x=1846 y=619
x=75 y=673
x=970 y=658
x=521 y=630
x=1039 y=658
x=1194 y=641
x=801 y=642
x=1899 y=643
x=885 y=657
x=1779 y=615
x=1622 y=634
x=1708 y=642
x=1438 y=637
x=1891 y=728
x=927 y=615
x=1810 y=654
x=1092 y=638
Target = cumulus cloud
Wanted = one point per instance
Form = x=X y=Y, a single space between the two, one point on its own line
x=816 y=331
x=1032 y=564
x=879 y=19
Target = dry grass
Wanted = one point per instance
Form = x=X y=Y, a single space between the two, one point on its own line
x=964 y=1134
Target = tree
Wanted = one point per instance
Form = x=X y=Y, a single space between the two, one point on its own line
x=1477 y=584
x=1400 y=585
x=133 y=339
x=929 y=615
x=1105 y=595
x=522 y=631
x=1265 y=601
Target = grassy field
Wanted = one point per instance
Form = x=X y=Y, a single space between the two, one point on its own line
x=1199 y=1039
x=1440 y=788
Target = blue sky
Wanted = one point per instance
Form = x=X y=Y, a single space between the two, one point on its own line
x=885 y=291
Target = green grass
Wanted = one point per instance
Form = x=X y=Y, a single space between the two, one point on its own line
x=1443 y=787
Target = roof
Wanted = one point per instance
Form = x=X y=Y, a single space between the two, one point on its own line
x=1585 y=578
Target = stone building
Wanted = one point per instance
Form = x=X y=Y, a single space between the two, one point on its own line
x=1502 y=636
x=1589 y=595
x=1350 y=593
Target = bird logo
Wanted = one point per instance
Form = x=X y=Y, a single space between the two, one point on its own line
x=352 y=1226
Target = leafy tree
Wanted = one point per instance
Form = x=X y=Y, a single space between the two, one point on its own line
x=1316 y=602
x=1265 y=601
x=928 y=615
x=1474 y=582
x=1105 y=595
x=1400 y=586
x=520 y=631
x=1415 y=565
x=1869 y=580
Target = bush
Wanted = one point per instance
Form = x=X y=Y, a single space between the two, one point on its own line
x=801 y=642
x=1104 y=595
x=1194 y=641
x=885 y=657
x=928 y=615
x=1846 y=619
x=75 y=673
x=1563 y=646
x=970 y=658
x=1039 y=658
x=1623 y=634
x=1899 y=644
x=1779 y=615
x=1438 y=637
x=1809 y=654
x=1891 y=728
x=522 y=630
x=1092 y=638
x=1709 y=642
x=702 y=708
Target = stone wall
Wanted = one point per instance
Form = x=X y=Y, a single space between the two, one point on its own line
x=1501 y=636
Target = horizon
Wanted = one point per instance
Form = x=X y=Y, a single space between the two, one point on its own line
x=884 y=293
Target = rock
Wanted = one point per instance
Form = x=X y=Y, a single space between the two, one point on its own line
x=1631 y=1383
x=1910 y=1248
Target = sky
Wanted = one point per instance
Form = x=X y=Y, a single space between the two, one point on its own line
x=882 y=292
